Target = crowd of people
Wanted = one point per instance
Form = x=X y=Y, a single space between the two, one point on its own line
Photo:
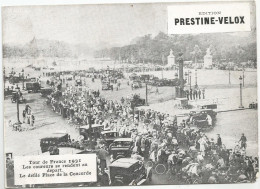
x=184 y=152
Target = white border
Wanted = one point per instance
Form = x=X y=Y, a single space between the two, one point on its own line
x=71 y=2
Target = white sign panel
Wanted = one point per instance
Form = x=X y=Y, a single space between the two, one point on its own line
x=55 y=169
x=208 y=18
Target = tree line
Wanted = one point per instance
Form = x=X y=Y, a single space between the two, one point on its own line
x=224 y=47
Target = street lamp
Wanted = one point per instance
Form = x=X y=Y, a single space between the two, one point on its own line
x=146 y=94
x=190 y=78
x=176 y=75
x=196 y=83
x=243 y=76
x=229 y=75
x=89 y=116
x=186 y=77
x=4 y=76
x=240 y=84
x=17 y=97
x=23 y=77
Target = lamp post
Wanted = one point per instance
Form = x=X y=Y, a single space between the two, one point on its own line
x=190 y=78
x=17 y=103
x=146 y=94
x=186 y=77
x=229 y=75
x=4 y=77
x=240 y=84
x=89 y=116
x=196 y=77
x=243 y=76
x=176 y=75
x=23 y=77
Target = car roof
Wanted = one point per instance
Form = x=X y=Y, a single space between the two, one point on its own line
x=105 y=132
x=206 y=110
x=66 y=151
x=93 y=126
x=124 y=162
x=55 y=135
x=123 y=139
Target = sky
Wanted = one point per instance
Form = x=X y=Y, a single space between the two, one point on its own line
x=90 y=24
x=96 y=26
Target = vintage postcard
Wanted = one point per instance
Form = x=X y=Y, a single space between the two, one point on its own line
x=130 y=94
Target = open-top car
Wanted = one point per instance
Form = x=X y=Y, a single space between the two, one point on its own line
x=121 y=147
x=106 y=85
x=128 y=171
x=78 y=82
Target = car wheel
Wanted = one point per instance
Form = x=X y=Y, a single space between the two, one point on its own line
x=120 y=156
x=118 y=183
x=160 y=169
x=110 y=146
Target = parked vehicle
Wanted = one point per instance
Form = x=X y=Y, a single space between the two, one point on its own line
x=46 y=91
x=32 y=87
x=121 y=147
x=199 y=118
x=53 y=140
x=14 y=79
x=109 y=137
x=202 y=114
x=209 y=106
x=137 y=84
x=16 y=97
x=106 y=85
x=136 y=101
x=78 y=82
x=8 y=92
x=94 y=131
x=128 y=171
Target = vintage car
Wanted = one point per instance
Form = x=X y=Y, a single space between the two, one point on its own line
x=94 y=131
x=69 y=77
x=202 y=114
x=121 y=147
x=14 y=79
x=209 y=106
x=15 y=96
x=53 y=140
x=32 y=87
x=106 y=85
x=129 y=171
x=137 y=84
x=46 y=91
x=109 y=137
x=8 y=92
x=78 y=82
x=253 y=105
x=136 y=101
x=199 y=118
x=133 y=76
x=144 y=77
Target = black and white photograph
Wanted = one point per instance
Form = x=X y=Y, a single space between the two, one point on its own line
x=114 y=95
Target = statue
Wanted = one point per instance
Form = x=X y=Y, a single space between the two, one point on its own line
x=208 y=52
x=171 y=51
